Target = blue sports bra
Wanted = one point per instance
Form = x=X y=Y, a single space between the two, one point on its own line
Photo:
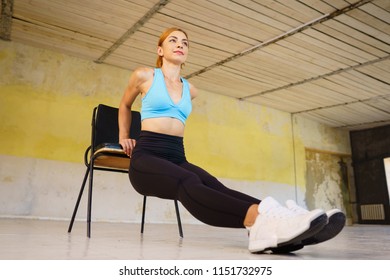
x=158 y=103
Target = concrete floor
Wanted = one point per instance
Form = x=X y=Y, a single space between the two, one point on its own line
x=25 y=239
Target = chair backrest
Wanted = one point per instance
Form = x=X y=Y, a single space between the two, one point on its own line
x=105 y=125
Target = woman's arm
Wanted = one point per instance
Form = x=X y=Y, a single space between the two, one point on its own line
x=193 y=91
x=135 y=86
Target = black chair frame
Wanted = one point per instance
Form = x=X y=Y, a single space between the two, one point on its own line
x=104 y=143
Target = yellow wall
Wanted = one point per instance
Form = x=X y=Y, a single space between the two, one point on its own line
x=240 y=140
x=46 y=101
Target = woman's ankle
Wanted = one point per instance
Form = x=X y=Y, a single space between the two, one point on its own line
x=251 y=215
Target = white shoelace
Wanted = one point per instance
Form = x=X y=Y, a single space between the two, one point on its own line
x=279 y=212
x=292 y=206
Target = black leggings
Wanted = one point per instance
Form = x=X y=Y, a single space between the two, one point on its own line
x=159 y=168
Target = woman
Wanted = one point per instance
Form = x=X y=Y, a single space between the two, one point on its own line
x=159 y=166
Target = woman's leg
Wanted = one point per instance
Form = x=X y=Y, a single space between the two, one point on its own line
x=154 y=176
x=212 y=182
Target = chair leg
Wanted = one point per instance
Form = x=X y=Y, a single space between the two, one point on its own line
x=143 y=215
x=90 y=199
x=76 y=207
x=178 y=219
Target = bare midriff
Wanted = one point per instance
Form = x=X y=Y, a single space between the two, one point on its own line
x=164 y=125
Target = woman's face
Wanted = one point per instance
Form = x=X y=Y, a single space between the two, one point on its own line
x=174 y=48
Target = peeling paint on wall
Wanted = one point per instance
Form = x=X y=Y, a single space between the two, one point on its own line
x=327 y=181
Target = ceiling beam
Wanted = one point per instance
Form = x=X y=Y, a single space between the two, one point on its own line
x=158 y=6
x=287 y=34
x=379 y=97
x=365 y=125
x=318 y=77
x=7 y=10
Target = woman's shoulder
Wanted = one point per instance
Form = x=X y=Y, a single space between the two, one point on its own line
x=143 y=73
x=193 y=91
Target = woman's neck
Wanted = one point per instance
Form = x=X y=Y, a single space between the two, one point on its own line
x=171 y=72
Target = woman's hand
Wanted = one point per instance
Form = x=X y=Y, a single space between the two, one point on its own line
x=127 y=145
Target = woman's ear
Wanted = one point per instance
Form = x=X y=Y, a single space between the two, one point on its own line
x=160 y=51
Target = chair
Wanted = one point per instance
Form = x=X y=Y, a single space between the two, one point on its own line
x=106 y=154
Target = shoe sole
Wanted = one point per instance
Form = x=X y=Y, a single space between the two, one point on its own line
x=315 y=226
x=336 y=223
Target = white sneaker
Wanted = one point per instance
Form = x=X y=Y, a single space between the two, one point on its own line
x=336 y=222
x=278 y=226
x=293 y=206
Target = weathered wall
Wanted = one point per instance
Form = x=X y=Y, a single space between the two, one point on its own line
x=46 y=102
x=326 y=162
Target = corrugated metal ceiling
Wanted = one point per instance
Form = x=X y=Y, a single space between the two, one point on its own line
x=326 y=60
